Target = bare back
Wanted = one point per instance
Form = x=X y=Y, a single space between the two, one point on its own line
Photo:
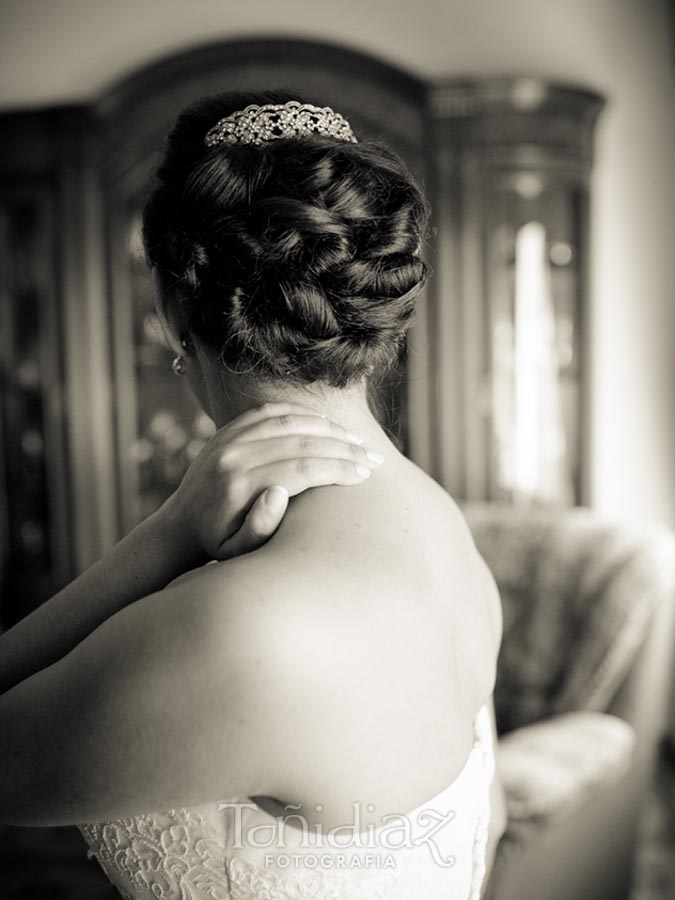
x=387 y=574
x=360 y=655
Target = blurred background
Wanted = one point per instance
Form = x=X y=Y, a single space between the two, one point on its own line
x=537 y=385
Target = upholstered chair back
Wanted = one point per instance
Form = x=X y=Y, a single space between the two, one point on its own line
x=578 y=591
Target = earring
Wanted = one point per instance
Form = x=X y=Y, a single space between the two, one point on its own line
x=178 y=366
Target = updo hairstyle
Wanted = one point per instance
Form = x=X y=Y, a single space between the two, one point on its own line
x=293 y=260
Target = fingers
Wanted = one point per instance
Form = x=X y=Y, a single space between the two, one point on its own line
x=297 y=422
x=261 y=522
x=297 y=475
x=260 y=413
x=297 y=446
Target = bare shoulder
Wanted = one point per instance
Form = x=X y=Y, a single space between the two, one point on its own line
x=494 y=603
x=464 y=548
x=452 y=528
x=318 y=699
x=335 y=624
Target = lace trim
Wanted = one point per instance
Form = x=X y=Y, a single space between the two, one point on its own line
x=179 y=855
x=249 y=881
x=163 y=861
x=175 y=855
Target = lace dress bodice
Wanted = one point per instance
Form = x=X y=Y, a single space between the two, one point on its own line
x=223 y=851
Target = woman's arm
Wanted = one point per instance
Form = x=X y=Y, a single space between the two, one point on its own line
x=143 y=562
x=219 y=511
x=151 y=710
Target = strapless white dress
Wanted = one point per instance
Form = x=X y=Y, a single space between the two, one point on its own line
x=227 y=851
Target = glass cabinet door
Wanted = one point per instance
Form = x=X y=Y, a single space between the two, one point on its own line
x=515 y=158
x=533 y=310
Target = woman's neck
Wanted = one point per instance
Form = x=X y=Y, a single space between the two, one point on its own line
x=231 y=396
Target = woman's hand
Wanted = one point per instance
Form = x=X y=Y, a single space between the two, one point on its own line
x=218 y=511
x=235 y=493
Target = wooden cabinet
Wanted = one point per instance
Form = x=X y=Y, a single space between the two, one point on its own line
x=32 y=421
x=35 y=514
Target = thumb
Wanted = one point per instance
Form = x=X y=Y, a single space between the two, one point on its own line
x=260 y=523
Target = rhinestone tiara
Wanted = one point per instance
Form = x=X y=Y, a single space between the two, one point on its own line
x=256 y=124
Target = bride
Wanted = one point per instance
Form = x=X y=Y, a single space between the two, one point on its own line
x=245 y=678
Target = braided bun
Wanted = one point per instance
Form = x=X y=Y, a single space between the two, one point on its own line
x=292 y=259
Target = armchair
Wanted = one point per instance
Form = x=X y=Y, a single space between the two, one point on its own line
x=582 y=694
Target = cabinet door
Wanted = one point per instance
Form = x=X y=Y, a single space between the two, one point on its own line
x=533 y=239
x=514 y=159
x=33 y=479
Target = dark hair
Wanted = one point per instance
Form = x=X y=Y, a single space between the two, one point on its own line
x=294 y=259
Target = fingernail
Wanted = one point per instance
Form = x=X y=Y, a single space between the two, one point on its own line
x=353 y=438
x=363 y=470
x=374 y=457
x=276 y=497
